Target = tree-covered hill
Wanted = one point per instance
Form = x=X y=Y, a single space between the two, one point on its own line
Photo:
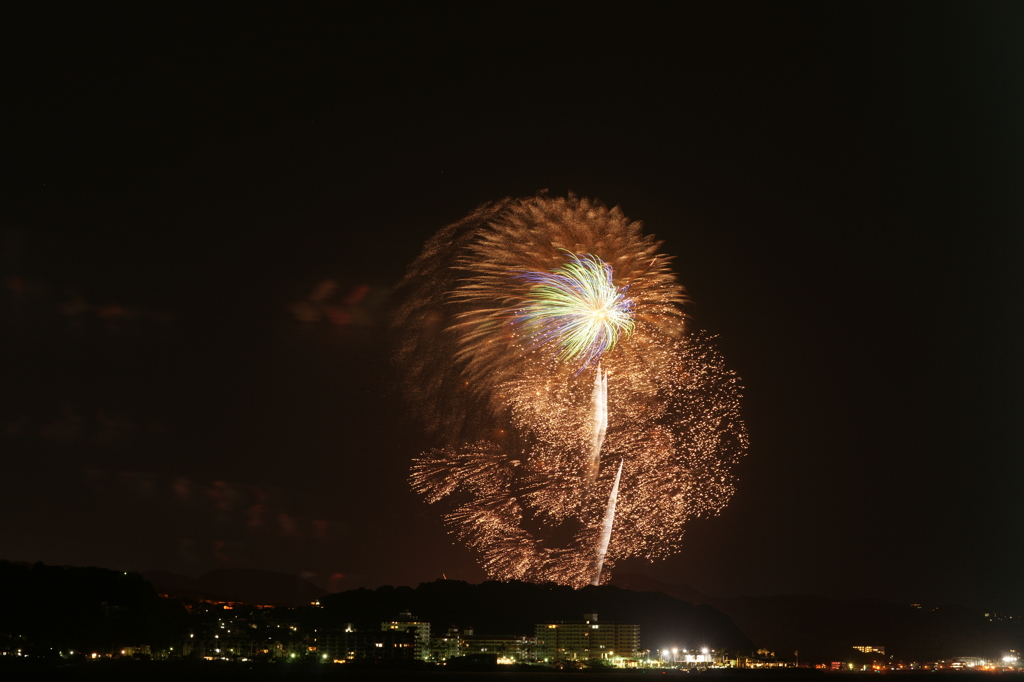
x=515 y=608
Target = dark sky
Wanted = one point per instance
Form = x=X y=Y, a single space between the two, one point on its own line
x=840 y=185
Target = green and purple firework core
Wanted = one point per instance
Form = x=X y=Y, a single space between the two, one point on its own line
x=578 y=420
x=576 y=309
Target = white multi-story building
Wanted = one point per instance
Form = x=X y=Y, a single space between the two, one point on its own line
x=588 y=640
x=420 y=630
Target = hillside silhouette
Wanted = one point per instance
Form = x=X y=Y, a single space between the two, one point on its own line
x=824 y=629
x=514 y=608
x=65 y=607
x=248 y=585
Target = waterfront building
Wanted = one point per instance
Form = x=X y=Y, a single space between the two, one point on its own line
x=419 y=629
x=588 y=640
x=448 y=646
x=508 y=648
x=347 y=644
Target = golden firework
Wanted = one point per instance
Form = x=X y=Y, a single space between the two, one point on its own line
x=546 y=439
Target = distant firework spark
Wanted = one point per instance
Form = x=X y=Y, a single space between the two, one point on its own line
x=544 y=341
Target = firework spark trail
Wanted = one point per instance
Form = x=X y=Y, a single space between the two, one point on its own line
x=498 y=363
x=599 y=422
x=606 y=528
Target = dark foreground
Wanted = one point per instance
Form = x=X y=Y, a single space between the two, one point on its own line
x=117 y=671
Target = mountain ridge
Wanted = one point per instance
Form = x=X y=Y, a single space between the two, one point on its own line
x=248 y=585
x=827 y=629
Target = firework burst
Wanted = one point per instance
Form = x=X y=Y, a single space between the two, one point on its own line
x=544 y=341
x=575 y=309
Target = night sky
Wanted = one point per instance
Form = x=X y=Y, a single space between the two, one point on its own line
x=182 y=388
